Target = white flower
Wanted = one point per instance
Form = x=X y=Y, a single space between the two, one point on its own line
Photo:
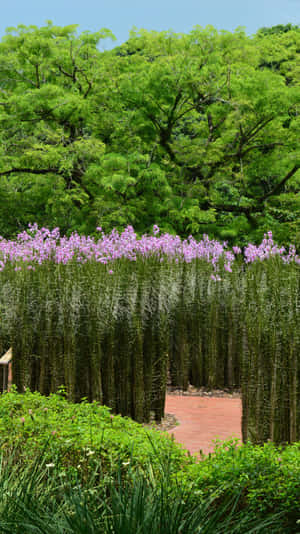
x=50 y=465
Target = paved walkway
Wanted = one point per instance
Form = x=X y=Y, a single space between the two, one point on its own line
x=202 y=419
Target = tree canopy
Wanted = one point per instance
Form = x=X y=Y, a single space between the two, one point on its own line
x=195 y=132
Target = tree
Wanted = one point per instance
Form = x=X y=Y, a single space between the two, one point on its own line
x=195 y=132
x=223 y=128
x=47 y=80
x=279 y=28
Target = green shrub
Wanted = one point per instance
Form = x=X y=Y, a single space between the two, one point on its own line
x=269 y=476
x=78 y=436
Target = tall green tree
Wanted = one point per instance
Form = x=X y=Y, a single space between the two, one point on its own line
x=223 y=127
x=196 y=132
x=47 y=79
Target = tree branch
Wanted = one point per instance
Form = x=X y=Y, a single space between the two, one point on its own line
x=253 y=147
x=76 y=176
x=28 y=171
x=281 y=184
x=37 y=73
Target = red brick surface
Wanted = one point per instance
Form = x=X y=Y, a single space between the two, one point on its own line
x=203 y=419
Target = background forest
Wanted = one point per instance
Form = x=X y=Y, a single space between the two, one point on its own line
x=198 y=133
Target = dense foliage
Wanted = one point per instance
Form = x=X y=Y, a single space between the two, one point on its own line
x=269 y=477
x=71 y=468
x=75 y=436
x=196 y=132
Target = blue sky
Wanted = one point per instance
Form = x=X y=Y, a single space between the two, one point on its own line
x=121 y=15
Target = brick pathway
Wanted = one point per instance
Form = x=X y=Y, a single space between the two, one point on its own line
x=202 y=419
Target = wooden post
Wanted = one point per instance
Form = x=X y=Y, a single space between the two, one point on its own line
x=5 y=361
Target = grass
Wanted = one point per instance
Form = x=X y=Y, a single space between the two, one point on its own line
x=36 y=500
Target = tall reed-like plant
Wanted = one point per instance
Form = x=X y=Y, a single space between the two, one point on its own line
x=109 y=319
x=271 y=370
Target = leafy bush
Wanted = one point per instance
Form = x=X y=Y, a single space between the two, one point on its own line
x=78 y=436
x=269 y=476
